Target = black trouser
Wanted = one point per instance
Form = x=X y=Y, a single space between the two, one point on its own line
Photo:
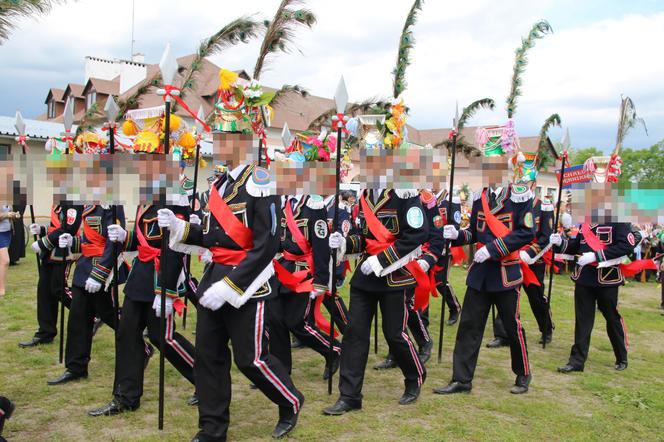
x=606 y=300
x=245 y=328
x=355 y=344
x=130 y=354
x=418 y=325
x=450 y=297
x=474 y=314
x=294 y=312
x=538 y=304
x=84 y=308
x=49 y=294
x=338 y=311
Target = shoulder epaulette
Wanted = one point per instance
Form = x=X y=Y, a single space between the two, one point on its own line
x=406 y=193
x=259 y=183
x=520 y=193
x=316 y=202
x=428 y=199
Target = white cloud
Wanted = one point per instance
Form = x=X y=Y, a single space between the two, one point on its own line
x=464 y=51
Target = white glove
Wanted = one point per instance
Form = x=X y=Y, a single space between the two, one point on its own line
x=366 y=268
x=556 y=239
x=424 y=265
x=92 y=286
x=35 y=247
x=116 y=233
x=65 y=240
x=450 y=232
x=212 y=301
x=481 y=255
x=525 y=257
x=165 y=218
x=335 y=240
x=587 y=258
x=156 y=306
x=206 y=257
x=315 y=293
x=35 y=229
x=194 y=219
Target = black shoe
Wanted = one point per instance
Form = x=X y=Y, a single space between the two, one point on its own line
x=410 y=395
x=334 y=367
x=287 y=420
x=8 y=408
x=548 y=338
x=521 y=384
x=35 y=341
x=388 y=363
x=454 y=317
x=425 y=352
x=193 y=400
x=454 y=387
x=96 y=326
x=296 y=343
x=65 y=377
x=341 y=407
x=568 y=368
x=497 y=343
x=111 y=409
x=149 y=352
x=621 y=365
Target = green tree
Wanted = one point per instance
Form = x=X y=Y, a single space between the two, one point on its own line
x=643 y=166
x=579 y=156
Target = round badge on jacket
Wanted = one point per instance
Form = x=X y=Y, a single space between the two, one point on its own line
x=320 y=228
x=415 y=217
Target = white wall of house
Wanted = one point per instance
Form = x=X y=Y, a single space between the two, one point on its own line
x=130 y=72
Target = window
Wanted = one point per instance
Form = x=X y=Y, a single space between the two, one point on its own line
x=90 y=99
x=51 y=108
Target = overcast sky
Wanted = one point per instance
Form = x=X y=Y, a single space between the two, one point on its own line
x=464 y=51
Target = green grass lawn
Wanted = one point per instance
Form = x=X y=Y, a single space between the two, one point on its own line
x=599 y=404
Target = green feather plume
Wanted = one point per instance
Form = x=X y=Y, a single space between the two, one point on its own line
x=544 y=157
x=406 y=43
x=468 y=148
x=13 y=10
x=628 y=120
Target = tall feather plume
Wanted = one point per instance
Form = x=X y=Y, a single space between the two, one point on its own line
x=288 y=89
x=628 y=120
x=280 y=32
x=543 y=151
x=133 y=101
x=92 y=117
x=240 y=30
x=12 y=11
x=406 y=43
x=468 y=148
x=539 y=30
x=379 y=104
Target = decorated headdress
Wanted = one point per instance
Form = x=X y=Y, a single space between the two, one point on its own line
x=90 y=143
x=242 y=106
x=145 y=127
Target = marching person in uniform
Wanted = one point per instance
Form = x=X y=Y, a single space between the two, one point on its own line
x=393 y=230
x=51 y=280
x=303 y=271
x=501 y=224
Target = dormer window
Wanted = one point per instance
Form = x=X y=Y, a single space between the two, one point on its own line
x=51 y=108
x=90 y=99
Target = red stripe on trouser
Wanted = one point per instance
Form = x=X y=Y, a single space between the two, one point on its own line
x=175 y=344
x=423 y=329
x=622 y=323
x=262 y=366
x=524 y=351
x=314 y=333
x=413 y=353
x=341 y=310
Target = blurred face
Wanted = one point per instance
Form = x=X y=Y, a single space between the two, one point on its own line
x=234 y=149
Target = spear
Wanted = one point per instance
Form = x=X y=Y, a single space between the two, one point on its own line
x=111 y=111
x=446 y=270
x=168 y=67
x=338 y=121
x=199 y=130
x=566 y=145
x=68 y=121
x=22 y=140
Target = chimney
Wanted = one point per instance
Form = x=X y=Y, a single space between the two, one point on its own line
x=138 y=58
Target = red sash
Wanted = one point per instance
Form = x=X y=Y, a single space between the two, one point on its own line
x=591 y=239
x=146 y=252
x=500 y=230
x=384 y=239
x=628 y=270
x=96 y=242
x=55 y=221
x=321 y=321
x=297 y=281
x=233 y=227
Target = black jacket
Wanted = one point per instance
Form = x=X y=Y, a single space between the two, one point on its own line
x=69 y=222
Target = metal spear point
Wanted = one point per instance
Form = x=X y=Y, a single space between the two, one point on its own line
x=286 y=137
x=455 y=121
x=68 y=116
x=20 y=124
x=566 y=143
x=201 y=116
x=168 y=66
x=111 y=109
x=341 y=96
